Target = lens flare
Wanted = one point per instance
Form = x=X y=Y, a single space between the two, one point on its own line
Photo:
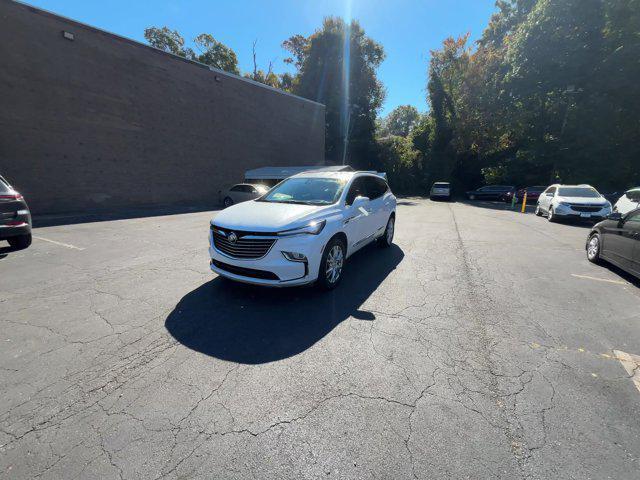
x=346 y=82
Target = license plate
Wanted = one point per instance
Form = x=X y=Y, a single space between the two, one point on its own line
x=585 y=215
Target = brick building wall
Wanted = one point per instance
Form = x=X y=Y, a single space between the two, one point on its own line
x=103 y=123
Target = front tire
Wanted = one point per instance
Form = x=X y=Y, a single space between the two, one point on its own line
x=593 y=248
x=20 y=242
x=538 y=211
x=551 y=216
x=386 y=239
x=332 y=264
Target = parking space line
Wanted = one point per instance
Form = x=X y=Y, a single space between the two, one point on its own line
x=631 y=364
x=66 y=245
x=587 y=277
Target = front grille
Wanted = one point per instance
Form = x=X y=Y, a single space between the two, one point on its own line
x=586 y=208
x=245 y=272
x=243 y=248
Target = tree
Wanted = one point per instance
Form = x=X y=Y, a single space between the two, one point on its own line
x=550 y=92
x=337 y=66
x=401 y=162
x=167 y=40
x=400 y=121
x=211 y=52
x=215 y=54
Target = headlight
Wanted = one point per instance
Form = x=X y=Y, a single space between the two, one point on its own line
x=314 y=228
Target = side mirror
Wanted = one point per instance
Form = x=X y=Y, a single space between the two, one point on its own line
x=360 y=201
x=615 y=216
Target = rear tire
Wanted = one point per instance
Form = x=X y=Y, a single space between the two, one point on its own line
x=227 y=202
x=333 y=258
x=20 y=242
x=472 y=197
x=386 y=239
x=593 y=248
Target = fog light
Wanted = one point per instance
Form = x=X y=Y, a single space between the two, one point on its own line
x=295 y=256
x=23 y=212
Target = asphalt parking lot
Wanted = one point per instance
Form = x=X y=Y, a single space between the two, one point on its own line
x=481 y=345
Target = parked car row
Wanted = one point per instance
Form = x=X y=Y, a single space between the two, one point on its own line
x=615 y=237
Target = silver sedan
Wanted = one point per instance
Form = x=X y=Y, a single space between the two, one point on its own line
x=242 y=193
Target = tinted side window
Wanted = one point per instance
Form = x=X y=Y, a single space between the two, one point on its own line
x=237 y=188
x=634 y=218
x=551 y=190
x=634 y=196
x=376 y=187
x=357 y=189
x=4 y=188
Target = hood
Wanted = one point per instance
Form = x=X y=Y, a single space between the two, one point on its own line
x=592 y=201
x=255 y=216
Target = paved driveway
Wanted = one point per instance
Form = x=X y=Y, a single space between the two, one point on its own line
x=480 y=346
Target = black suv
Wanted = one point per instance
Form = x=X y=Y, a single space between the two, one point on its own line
x=15 y=218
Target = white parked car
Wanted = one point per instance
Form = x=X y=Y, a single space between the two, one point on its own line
x=572 y=201
x=243 y=192
x=628 y=202
x=303 y=229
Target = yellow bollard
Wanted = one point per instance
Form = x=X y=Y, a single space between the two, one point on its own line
x=524 y=202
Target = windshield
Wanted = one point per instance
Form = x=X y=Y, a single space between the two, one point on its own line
x=441 y=185
x=578 y=192
x=306 y=191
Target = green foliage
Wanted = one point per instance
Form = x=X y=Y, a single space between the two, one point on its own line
x=210 y=51
x=337 y=67
x=167 y=40
x=550 y=93
x=400 y=121
x=402 y=163
x=216 y=54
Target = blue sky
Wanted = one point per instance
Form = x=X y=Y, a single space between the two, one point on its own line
x=408 y=29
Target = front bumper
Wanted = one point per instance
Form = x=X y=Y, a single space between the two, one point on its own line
x=569 y=213
x=284 y=272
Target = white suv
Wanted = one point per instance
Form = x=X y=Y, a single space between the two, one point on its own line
x=303 y=229
x=572 y=201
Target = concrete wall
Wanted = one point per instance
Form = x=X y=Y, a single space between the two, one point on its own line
x=103 y=123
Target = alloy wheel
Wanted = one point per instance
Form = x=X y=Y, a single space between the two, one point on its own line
x=593 y=248
x=335 y=261
x=390 y=230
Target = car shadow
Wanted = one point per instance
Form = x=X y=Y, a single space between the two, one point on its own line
x=5 y=251
x=623 y=274
x=497 y=205
x=252 y=325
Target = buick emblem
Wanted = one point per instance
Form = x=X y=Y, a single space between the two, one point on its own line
x=233 y=238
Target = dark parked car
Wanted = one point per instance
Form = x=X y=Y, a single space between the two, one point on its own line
x=617 y=240
x=15 y=218
x=491 y=192
x=533 y=193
